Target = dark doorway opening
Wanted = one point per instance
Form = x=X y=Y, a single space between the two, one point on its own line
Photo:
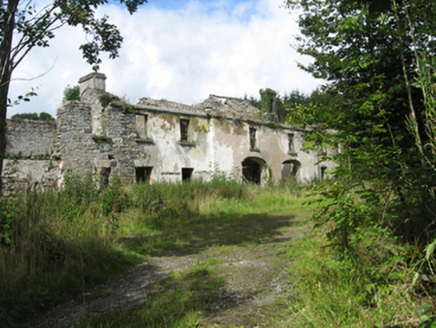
x=290 y=169
x=143 y=174
x=105 y=173
x=187 y=174
x=252 y=169
x=322 y=173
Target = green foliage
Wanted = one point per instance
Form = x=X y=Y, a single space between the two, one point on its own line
x=335 y=292
x=378 y=62
x=297 y=108
x=33 y=116
x=58 y=245
x=370 y=121
x=72 y=93
x=267 y=99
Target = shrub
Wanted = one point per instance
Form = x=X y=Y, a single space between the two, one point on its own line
x=72 y=93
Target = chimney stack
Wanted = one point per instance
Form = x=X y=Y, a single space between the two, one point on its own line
x=92 y=81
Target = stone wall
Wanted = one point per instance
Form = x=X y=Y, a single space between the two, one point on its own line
x=75 y=145
x=30 y=139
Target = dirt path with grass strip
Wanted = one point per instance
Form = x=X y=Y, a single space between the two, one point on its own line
x=239 y=284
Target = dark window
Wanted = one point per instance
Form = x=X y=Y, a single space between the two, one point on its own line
x=322 y=172
x=141 y=126
x=105 y=173
x=291 y=142
x=186 y=174
x=184 y=125
x=252 y=138
x=143 y=174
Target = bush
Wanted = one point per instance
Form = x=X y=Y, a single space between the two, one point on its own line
x=33 y=116
x=72 y=93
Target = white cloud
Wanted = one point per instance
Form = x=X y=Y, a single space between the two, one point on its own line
x=181 y=55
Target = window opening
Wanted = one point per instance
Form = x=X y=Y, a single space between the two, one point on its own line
x=187 y=174
x=252 y=138
x=105 y=173
x=141 y=126
x=291 y=142
x=322 y=173
x=290 y=169
x=184 y=125
x=143 y=174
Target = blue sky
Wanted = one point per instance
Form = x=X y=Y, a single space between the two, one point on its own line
x=176 y=50
x=209 y=5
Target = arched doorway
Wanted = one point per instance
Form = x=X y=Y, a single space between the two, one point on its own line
x=290 y=169
x=252 y=169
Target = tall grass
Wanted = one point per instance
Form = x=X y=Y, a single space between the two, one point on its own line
x=56 y=244
x=333 y=291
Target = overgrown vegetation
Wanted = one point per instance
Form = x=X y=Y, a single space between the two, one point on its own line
x=72 y=93
x=379 y=213
x=55 y=245
x=58 y=245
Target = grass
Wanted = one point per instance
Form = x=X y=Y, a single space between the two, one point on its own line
x=176 y=301
x=57 y=245
x=61 y=245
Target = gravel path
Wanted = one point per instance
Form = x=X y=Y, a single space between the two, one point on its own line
x=255 y=276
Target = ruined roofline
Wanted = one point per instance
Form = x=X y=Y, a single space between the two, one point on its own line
x=225 y=97
x=195 y=112
x=203 y=113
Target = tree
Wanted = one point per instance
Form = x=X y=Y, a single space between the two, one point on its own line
x=378 y=57
x=33 y=27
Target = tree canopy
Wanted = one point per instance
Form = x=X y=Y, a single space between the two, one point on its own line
x=378 y=58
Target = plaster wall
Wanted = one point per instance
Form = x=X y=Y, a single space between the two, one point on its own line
x=22 y=174
x=164 y=151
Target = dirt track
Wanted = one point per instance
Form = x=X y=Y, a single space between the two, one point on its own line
x=254 y=276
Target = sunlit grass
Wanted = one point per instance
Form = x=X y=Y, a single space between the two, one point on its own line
x=57 y=245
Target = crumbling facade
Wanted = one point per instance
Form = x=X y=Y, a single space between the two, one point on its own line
x=157 y=140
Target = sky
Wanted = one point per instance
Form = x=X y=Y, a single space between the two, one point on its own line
x=178 y=50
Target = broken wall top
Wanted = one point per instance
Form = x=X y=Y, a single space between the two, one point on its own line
x=214 y=105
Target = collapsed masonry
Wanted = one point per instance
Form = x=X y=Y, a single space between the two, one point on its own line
x=155 y=140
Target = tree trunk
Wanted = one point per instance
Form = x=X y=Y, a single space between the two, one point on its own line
x=5 y=75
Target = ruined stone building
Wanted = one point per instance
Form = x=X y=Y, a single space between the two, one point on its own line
x=156 y=140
